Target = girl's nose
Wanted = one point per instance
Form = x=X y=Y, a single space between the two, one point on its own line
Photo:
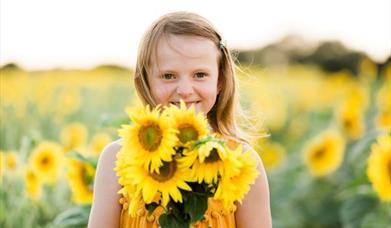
x=185 y=88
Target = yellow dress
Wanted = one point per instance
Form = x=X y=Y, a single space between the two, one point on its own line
x=215 y=216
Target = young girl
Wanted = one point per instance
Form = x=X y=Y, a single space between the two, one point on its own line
x=182 y=57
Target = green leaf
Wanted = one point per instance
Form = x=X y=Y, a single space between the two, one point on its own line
x=206 y=139
x=171 y=221
x=151 y=207
x=196 y=205
x=354 y=209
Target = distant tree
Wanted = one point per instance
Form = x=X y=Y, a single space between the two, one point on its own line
x=10 y=67
x=331 y=56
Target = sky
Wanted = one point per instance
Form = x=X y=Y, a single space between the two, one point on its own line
x=42 y=34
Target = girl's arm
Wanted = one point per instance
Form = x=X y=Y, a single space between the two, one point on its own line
x=105 y=211
x=254 y=212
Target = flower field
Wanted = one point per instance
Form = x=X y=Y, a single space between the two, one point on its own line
x=324 y=139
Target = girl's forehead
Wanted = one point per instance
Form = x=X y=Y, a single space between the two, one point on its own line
x=176 y=50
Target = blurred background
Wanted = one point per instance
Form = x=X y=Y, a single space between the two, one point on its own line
x=315 y=76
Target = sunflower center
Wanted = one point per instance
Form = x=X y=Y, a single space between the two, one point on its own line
x=167 y=171
x=319 y=153
x=150 y=137
x=187 y=133
x=347 y=123
x=213 y=156
x=86 y=178
x=45 y=161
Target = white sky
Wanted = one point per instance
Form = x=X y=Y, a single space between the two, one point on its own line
x=39 y=34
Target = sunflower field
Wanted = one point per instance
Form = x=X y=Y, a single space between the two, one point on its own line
x=324 y=139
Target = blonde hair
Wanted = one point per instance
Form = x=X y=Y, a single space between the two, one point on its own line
x=222 y=115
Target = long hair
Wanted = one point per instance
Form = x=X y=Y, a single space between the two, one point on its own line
x=222 y=115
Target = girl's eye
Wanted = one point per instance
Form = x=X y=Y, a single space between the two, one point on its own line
x=200 y=75
x=168 y=76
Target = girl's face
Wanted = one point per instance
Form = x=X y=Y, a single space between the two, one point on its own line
x=186 y=68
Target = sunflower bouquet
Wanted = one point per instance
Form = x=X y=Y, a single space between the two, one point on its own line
x=170 y=159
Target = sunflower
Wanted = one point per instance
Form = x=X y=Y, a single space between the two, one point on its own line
x=33 y=184
x=383 y=119
x=324 y=154
x=234 y=188
x=132 y=198
x=74 y=136
x=190 y=126
x=46 y=161
x=2 y=155
x=383 y=97
x=150 y=139
x=272 y=154
x=167 y=181
x=207 y=162
x=11 y=161
x=122 y=168
x=351 y=119
x=98 y=142
x=80 y=177
x=379 y=167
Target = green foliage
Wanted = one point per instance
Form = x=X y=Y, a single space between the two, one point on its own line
x=74 y=217
x=354 y=209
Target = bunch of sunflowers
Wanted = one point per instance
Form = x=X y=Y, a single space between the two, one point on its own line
x=170 y=159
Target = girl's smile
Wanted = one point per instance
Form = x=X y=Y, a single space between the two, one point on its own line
x=186 y=69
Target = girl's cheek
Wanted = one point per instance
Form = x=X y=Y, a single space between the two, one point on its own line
x=163 y=94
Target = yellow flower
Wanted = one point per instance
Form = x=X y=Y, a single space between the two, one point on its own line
x=207 y=162
x=234 y=188
x=80 y=177
x=324 y=154
x=167 y=181
x=2 y=155
x=46 y=161
x=383 y=97
x=128 y=189
x=383 y=119
x=379 y=167
x=150 y=139
x=98 y=142
x=73 y=136
x=33 y=184
x=383 y=100
x=135 y=203
x=190 y=126
x=272 y=154
x=351 y=119
x=11 y=161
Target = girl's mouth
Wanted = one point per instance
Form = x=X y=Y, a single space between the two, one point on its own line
x=188 y=104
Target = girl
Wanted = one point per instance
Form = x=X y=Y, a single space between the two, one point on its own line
x=183 y=57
